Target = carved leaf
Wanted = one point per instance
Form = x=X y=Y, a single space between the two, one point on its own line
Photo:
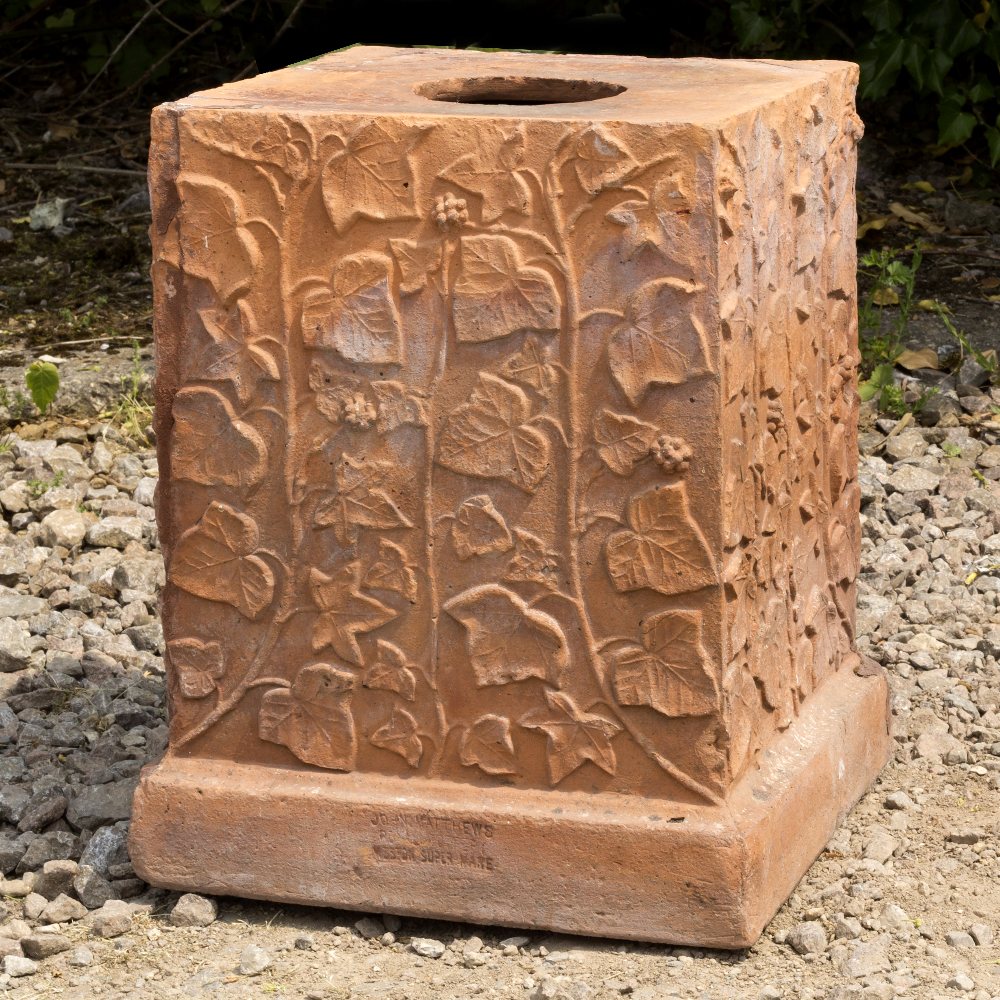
x=659 y=342
x=416 y=261
x=197 y=665
x=669 y=671
x=487 y=436
x=531 y=367
x=391 y=672
x=372 y=176
x=532 y=562
x=211 y=445
x=398 y=405
x=399 y=735
x=233 y=352
x=479 y=528
x=506 y=640
x=624 y=441
x=600 y=161
x=313 y=718
x=660 y=222
x=363 y=499
x=771 y=657
x=345 y=612
x=665 y=550
x=391 y=571
x=574 y=736
x=217 y=245
x=357 y=317
x=333 y=389
x=487 y=744
x=216 y=560
x=497 y=295
x=492 y=174
x=743 y=711
x=738 y=507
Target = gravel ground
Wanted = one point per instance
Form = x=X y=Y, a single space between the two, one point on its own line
x=904 y=902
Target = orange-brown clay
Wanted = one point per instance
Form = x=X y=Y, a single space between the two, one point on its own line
x=509 y=489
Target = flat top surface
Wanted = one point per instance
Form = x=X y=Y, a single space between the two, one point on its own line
x=376 y=79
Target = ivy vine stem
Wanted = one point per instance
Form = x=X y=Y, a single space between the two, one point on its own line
x=431 y=523
x=562 y=228
x=285 y=607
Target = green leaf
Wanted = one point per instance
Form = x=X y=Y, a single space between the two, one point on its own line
x=880 y=66
x=866 y=391
x=63 y=20
x=966 y=36
x=883 y=15
x=42 y=380
x=954 y=125
x=993 y=142
x=751 y=27
x=981 y=90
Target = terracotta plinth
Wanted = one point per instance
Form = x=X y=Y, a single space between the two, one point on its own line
x=508 y=489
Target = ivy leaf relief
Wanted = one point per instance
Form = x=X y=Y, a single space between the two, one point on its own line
x=669 y=672
x=659 y=222
x=372 y=176
x=531 y=367
x=357 y=316
x=391 y=571
x=217 y=245
x=363 y=499
x=232 y=353
x=532 y=562
x=770 y=660
x=197 y=665
x=487 y=744
x=211 y=446
x=345 y=613
x=600 y=162
x=313 y=718
x=743 y=713
x=664 y=550
x=497 y=295
x=574 y=736
x=416 y=262
x=399 y=405
x=659 y=342
x=391 y=672
x=479 y=529
x=399 y=736
x=492 y=174
x=216 y=559
x=623 y=441
x=507 y=640
x=487 y=437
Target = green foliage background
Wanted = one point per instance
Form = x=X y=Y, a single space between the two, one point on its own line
x=936 y=61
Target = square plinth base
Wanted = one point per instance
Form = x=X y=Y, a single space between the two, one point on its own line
x=601 y=865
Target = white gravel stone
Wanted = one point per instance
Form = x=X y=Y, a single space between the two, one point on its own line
x=192 y=910
x=807 y=938
x=253 y=961
x=81 y=956
x=115 y=532
x=427 y=947
x=66 y=527
x=16 y=646
x=17 y=967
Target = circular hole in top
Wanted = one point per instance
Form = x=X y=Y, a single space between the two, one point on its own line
x=517 y=90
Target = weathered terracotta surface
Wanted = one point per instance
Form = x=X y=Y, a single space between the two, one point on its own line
x=509 y=489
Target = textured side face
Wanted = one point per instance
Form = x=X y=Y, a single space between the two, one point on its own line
x=440 y=424
x=789 y=418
